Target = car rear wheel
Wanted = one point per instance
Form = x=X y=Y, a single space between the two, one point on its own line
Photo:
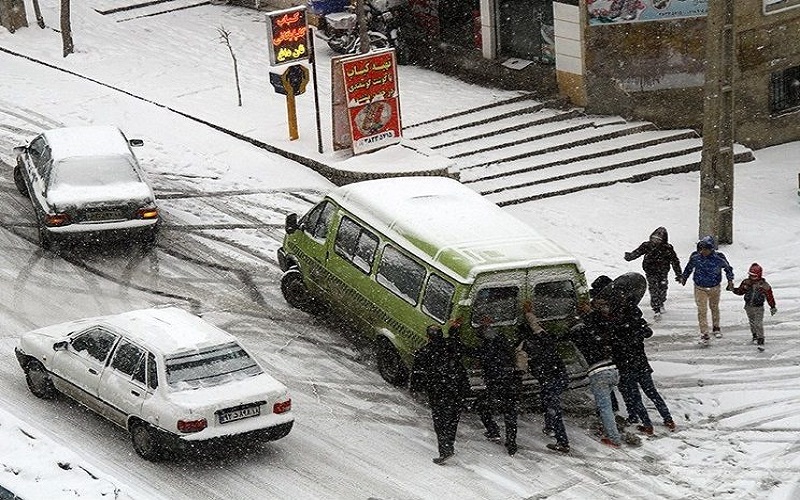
x=39 y=381
x=145 y=442
x=390 y=364
x=19 y=181
x=295 y=291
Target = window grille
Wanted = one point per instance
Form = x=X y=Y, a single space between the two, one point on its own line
x=784 y=90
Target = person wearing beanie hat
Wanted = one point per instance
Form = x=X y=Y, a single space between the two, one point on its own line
x=707 y=264
x=659 y=256
x=756 y=290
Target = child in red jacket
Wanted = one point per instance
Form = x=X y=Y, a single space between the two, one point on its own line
x=756 y=290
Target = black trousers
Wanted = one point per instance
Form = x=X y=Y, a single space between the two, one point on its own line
x=657 y=284
x=446 y=412
x=501 y=396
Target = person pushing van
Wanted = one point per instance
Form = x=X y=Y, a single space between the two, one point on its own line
x=439 y=370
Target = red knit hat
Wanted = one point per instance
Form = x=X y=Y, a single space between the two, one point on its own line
x=755 y=271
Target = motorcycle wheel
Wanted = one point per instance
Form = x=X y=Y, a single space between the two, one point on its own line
x=340 y=44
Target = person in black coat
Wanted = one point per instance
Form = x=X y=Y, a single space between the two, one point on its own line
x=546 y=365
x=659 y=256
x=503 y=384
x=439 y=371
x=629 y=329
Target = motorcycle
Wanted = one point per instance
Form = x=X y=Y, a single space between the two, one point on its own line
x=384 y=20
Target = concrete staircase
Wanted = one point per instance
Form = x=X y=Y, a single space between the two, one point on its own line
x=521 y=150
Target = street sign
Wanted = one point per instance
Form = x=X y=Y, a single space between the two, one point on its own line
x=287 y=32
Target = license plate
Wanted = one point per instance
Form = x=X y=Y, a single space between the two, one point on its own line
x=238 y=414
x=103 y=215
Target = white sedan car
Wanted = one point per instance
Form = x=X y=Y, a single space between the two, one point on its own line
x=168 y=377
x=86 y=180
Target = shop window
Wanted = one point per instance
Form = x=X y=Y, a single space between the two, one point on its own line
x=784 y=90
x=771 y=6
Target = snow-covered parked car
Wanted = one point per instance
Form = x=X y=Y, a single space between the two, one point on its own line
x=86 y=180
x=168 y=377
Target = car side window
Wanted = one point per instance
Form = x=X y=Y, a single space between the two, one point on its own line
x=356 y=244
x=152 y=371
x=128 y=358
x=401 y=274
x=438 y=298
x=36 y=149
x=95 y=343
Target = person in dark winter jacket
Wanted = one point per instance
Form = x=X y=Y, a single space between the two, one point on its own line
x=547 y=366
x=629 y=331
x=439 y=371
x=756 y=290
x=597 y=285
x=659 y=256
x=707 y=265
x=503 y=384
x=592 y=337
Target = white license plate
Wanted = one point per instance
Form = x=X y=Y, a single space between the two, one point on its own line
x=232 y=415
x=103 y=216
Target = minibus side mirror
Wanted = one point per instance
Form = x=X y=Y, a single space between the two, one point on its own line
x=136 y=143
x=291 y=223
x=20 y=149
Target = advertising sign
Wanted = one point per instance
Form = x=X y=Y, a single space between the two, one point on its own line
x=287 y=32
x=371 y=93
x=603 y=12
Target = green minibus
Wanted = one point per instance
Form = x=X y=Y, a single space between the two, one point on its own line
x=392 y=256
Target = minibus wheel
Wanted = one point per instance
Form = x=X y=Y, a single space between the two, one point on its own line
x=295 y=291
x=390 y=364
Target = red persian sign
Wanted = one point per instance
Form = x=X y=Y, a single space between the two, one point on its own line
x=373 y=102
x=287 y=31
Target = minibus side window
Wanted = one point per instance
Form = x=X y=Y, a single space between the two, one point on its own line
x=401 y=274
x=554 y=299
x=355 y=244
x=438 y=298
x=500 y=304
x=317 y=221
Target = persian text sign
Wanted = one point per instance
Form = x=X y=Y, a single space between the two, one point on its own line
x=287 y=32
x=634 y=11
x=371 y=93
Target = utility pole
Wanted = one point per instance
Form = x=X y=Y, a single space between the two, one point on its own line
x=716 y=164
x=363 y=34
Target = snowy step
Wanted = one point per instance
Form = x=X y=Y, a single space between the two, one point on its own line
x=577 y=153
x=534 y=130
x=515 y=126
x=588 y=166
x=641 y=171
x=633 y=173
x=450 y=123
x=551 y=143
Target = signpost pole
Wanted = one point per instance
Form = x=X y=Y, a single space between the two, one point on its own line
x=313 y=56
x=291 y=113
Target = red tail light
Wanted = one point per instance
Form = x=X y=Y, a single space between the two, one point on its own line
x=282 y=407
x=147 y=213
x=189 y=426
x=54 y=220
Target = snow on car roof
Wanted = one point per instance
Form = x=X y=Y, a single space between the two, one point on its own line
x=449 y=224
x=99 y=140
x=168 y=330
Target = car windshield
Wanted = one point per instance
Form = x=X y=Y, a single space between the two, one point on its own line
x=210 y=367
x=93 y=171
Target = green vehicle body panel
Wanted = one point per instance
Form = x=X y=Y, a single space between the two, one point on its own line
x=439 y=236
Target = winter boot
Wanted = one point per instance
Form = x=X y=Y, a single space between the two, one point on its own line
x=608 y=442
x=442 y=459
x=760 y=345
x=512 y=448
x=717 y=333
x=563 y=448
x=670 y=424
x=645 y=429
x=704 y=340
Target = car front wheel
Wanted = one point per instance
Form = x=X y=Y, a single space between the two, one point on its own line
x=145 y=442
x=39 y=381
x=295 y=291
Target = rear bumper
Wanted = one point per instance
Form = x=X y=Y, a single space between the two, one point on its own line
x=104 y=227
x=176 y=443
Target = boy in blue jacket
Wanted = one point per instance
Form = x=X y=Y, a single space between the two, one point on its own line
x=707 y=265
